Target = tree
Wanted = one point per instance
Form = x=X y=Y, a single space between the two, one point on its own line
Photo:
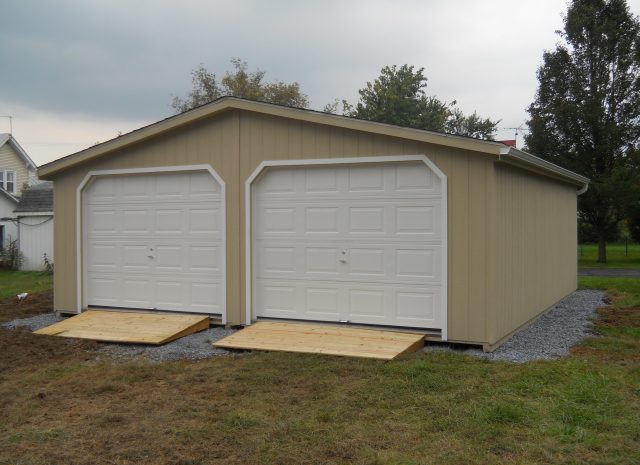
x=239 y=83
x=586 y=111
x=398 y=97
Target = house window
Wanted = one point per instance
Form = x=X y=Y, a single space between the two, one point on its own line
x=8 y=181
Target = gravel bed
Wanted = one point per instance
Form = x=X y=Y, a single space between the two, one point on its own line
x=193 y=347
x=35 y=322
x=551 y=336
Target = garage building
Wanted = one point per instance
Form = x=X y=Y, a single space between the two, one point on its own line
x=246 y=211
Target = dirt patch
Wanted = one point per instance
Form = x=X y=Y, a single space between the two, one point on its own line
x=34 y=304
x=22 y=350
x=618 y=317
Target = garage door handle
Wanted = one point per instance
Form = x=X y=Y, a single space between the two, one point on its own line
x=342 y=260
x=150 y=256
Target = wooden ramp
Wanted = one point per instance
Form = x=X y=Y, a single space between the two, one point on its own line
x=323 y=339
x=127 y=327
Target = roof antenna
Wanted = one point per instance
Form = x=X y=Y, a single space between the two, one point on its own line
x=10 y=123
x=519 y=129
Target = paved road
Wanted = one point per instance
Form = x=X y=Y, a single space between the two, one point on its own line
x=610 y=272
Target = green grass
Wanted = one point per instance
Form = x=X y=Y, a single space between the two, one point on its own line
x=626 y=291
x=616 y=258
x=15 y=282
x=272 y=408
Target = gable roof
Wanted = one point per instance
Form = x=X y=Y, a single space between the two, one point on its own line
x=9 y=139
x=500 y=150
x=38 y=198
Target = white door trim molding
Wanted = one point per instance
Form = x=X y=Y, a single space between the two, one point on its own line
x=334 y=161
x=81 y=298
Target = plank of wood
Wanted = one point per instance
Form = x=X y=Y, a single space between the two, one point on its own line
x=323 y=339
x=127 y=327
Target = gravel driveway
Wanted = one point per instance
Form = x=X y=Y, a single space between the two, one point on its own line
x=550 y=336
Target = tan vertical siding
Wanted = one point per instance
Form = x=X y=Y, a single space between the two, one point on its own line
x=236 y=142
x=537 y=262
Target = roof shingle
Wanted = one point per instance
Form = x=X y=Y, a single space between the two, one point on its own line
x=38 y=198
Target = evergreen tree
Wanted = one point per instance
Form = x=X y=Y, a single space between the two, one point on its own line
x=586 y=112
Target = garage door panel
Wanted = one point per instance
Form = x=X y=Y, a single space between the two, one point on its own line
x=200 y=186
x=278 y=300
x=169 y=221
x=322 y=260
x=408 y=179
x=105 y=289
x=366 y=304
x=205 y=296
x=366 y=179
x=204 y=221
x=103 y=221
x=322 y=303
x=367 y=220
x=104 y=257
x=376 y=262
x=205 y=259
x=169 y=258
x=349 y=243
x=278 y=259
x=155 y=241
x=136 y=221
x=417 y=220
x=321 y=220
x=369 y=261
x=415 y=305
x=412 y=219
x=135 y=292
x=319 y=180
x=134 y=258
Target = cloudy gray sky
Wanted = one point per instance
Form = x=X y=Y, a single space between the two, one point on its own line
x=74 y=72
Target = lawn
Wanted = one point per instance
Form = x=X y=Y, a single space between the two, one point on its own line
x=63 y=402
x=16 y=282
x=618 y=256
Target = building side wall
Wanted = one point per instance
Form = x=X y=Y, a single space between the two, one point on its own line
x=10 y=160
x=36 y=239
x=236 y=142
x=537 y=246
x=6 y=211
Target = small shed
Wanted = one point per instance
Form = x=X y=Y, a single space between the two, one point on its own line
x=248 y=211
x=34 y=223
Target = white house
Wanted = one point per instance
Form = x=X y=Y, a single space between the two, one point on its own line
x=26 y=205
x=17 y=171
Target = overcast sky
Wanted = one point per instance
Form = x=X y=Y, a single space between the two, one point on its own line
x=74 y=72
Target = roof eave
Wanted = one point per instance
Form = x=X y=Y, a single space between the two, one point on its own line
x=522 y=159
x=21 y=153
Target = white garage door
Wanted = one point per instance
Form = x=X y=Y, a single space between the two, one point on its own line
x=354 y=243
x=155 y=241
